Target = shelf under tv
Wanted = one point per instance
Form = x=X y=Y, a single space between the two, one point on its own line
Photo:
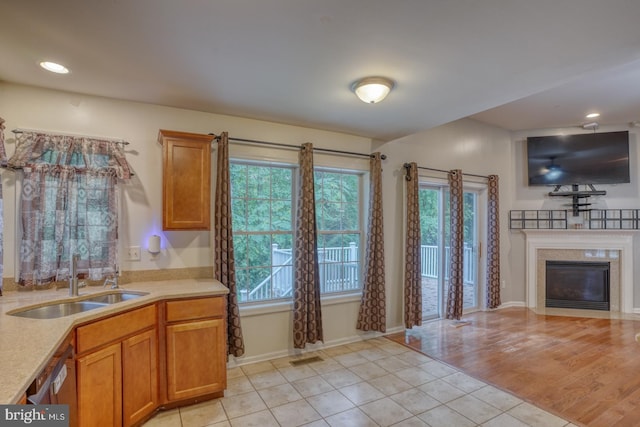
x=575 y=192
x=577 y=196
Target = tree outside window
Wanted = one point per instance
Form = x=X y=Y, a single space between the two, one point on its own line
x=263 y=223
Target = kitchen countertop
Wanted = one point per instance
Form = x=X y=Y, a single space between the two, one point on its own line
x=26 y=345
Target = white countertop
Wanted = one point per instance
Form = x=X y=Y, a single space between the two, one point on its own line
x=26 y=345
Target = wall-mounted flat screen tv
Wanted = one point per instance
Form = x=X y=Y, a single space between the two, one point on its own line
x=590 y=158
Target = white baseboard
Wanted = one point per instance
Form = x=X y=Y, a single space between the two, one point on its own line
x=511 y=304
x=245 y=360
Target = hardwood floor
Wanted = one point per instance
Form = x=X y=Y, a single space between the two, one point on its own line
x=586 y=370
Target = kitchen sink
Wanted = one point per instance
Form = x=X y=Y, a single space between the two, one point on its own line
x=67 y=308
x=61 y=309
x=116 y=296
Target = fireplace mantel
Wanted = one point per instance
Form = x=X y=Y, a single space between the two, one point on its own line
x=608 y=240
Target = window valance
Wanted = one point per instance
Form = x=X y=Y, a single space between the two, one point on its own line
x=42 y=151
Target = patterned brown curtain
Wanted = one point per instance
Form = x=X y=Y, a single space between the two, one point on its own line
x=493 y=244
x=372 y=315
x=454 y=297
x=224 y=269
x=3 y=162
x=3 y=153
x=412 y=262
x=307 y=314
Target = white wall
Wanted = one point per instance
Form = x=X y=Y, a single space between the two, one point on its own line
x=619 y=196
x=465 y=144
x=34 y=108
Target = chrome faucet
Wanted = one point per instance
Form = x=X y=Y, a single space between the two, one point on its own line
x=73 y=277
x=113 y=280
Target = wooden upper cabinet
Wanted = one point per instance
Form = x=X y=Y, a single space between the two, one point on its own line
x=186 y=180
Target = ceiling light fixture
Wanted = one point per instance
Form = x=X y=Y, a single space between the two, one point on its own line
x=372 y=90
x=592 y=126
x=592 y=115
x=54 y=67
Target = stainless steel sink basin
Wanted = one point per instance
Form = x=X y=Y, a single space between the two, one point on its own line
x=53 y=311
x=67 y=308
x=116 y=296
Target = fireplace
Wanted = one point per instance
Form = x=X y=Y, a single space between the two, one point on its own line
x=577 y=284
x=608 y=246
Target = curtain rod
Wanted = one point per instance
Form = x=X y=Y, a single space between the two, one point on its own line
x=278 y=144
x=116 y=140
x=407 y=166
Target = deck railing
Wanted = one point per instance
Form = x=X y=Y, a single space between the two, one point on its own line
x=340 y=271
x=430 y=266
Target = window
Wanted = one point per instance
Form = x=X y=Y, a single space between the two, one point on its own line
x=339 y=231
x=68 y=205
x=263 y=214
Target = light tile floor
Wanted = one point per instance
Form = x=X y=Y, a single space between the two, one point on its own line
x=370 y=383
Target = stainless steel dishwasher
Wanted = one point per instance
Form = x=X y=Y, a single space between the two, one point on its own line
x=56 y=384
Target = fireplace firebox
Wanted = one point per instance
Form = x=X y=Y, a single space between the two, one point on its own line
x=577 y=284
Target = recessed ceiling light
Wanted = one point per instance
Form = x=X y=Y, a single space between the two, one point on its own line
x=592 y=115
x=54 y=67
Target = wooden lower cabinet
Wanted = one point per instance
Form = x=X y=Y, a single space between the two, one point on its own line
x=99 y=383
x=195 y=358
x=130 y=364
x=117 y=369
x=140 y=376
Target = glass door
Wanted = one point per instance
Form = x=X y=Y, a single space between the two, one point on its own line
x=434 y=232
x=434 y=251
x=470 y=257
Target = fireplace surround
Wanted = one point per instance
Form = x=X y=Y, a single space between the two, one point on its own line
x=614 y=247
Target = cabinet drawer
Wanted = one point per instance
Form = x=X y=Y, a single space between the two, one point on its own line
x=114 y=328
x=200 y=308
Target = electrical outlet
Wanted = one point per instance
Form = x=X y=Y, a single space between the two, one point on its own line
x=133 y=253
x=503 y=284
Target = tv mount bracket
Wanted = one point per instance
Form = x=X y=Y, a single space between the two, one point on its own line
x=577 y=196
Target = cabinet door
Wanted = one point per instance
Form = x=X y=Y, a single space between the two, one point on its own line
x=186 y=180
x=196 y=362
x=140 y=376
x=100 y=387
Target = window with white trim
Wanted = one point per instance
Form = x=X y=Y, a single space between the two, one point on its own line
x=338 y=219
x=263 y=214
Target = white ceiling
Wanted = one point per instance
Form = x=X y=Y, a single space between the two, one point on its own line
x=519 y=64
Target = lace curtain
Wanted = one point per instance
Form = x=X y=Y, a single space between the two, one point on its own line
x=68 y=205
